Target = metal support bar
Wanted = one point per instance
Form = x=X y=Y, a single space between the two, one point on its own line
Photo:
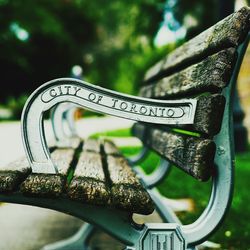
x=240 y=132
x=133 y=160
x=156 y=176
x=70 y=120
x=223 y=180
x=63 y=114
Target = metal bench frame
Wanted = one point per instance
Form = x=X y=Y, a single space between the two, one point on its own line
x=62 y=116
x=120 y=223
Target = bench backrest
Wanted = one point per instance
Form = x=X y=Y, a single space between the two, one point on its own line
x=201 y=68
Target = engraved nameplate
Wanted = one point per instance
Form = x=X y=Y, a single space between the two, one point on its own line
x=130 y=107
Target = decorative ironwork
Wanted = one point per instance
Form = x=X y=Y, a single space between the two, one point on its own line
x=98 y=99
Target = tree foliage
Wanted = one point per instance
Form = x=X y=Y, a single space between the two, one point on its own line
x=41 y=40
x=111 y=39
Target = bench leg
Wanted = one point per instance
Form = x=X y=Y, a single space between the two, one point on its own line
x=166 y=213
x=78 y=241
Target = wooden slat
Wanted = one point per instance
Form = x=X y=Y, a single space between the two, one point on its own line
x=89 y=183
x=208 y=115
x=106 y=179
x=50 y=184
x=127 y=192
x=210 y=75
x=120 y=172
x=13 y=174
x=69 y=143
x=62 y=159
x=92 y=145
x=110 y=148
x=229 y=32
x=192 y=154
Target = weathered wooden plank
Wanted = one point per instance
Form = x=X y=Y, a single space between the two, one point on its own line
x=120 y=172
x=13 y=174
x=50 y=185
x=62 y=158
x=91 y=183
x=127 y=192
x=208 y=115
x=74 y=142
x=229 y=32
x=69 y=143
x=92 y=145
x=210 y=75
x=110 y=148
x=192 y=154
x=88 y=184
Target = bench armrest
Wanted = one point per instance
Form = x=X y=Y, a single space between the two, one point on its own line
x=95 y=98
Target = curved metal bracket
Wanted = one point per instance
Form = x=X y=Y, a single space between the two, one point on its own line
x=133 y=160
x=156 y=176
x=70 y=119
x=95 y=98
x=60 y=114
x=223 y=180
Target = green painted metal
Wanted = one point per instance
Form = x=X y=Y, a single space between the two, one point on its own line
x=223 y=180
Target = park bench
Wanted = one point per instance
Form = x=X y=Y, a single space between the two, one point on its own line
x=184 y=114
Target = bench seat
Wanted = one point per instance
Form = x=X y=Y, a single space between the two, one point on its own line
x=92 y=172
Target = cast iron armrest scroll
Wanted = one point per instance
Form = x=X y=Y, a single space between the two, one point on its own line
x=94 y=98
x=63 y=113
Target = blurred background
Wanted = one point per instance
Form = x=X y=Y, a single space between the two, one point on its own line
x=108 y=43
x=111 y=44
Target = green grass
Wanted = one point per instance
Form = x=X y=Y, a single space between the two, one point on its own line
x=114 y=133
x=237 y=221
x=126 y=133
x=185 y=132
x=235 y=230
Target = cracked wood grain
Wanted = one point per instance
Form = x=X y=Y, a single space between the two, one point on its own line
x=193 y=155
x=50 y=185
x=229 y=32
x=209 y=75
x=127 y=191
